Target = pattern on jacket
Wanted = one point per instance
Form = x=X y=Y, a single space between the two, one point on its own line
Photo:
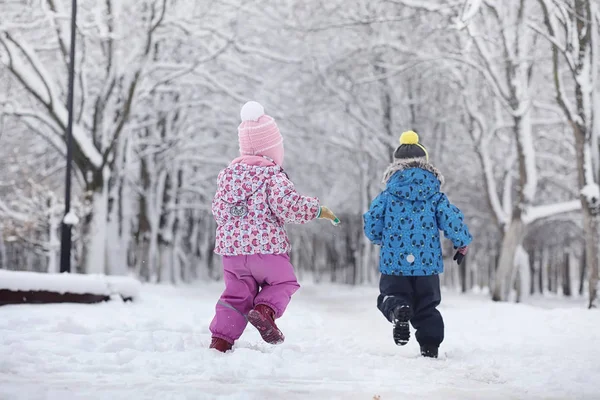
x=251 y=206
x=405 y=220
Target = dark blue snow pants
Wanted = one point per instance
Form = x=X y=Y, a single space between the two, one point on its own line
x=422 y=295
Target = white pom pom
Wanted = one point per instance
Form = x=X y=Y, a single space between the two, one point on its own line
x=252 y=111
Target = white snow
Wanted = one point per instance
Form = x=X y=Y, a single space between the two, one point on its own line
x=550 y=210
x=337 y=346
x=71 y=218
x=591 y=191
x=69 y=283
x=252 y=111
x=123 y=285
x=470 y=9
x=60 y=283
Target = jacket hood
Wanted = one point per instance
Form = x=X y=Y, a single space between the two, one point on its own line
x=240 y=181
x=413 y=179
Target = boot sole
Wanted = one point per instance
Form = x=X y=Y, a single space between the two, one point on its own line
x=429 y=352
x=268 y=332
x=401 y=328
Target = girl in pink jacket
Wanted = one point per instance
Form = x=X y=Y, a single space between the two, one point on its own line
x=254 y=200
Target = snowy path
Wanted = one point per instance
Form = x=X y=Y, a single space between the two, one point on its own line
x=156 y=349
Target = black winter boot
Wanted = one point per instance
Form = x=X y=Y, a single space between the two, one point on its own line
x=429 y=351
x=400 y=317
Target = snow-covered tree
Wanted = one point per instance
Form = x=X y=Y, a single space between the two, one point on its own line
x=572 y=29
x=159 y=84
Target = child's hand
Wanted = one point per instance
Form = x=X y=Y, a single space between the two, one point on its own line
x=460 y=254
x=326 y=213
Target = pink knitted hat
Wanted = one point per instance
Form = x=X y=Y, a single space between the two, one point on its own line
x=258 y=133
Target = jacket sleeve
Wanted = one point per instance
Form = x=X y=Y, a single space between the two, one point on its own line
x=450 y=220
x=287 y=204
x=374 y=219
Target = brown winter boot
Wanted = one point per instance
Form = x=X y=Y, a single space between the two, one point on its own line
x=262 y=317
x=221 y=345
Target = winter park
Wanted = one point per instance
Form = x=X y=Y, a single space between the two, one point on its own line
x=371 y=199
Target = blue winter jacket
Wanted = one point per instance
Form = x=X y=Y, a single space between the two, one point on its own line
x=405 y=220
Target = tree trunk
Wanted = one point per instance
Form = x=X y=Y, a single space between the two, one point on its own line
x=592 y=244
x=582 y=271
x=164 y=262
x=506 y=265
x=118 y=232
x=94 y=232
x=559 y=272
x=365 y=246
x=591 y=209
x=544 y=271
x=473 y=272
x=142 y=243
x=523 y=276
x=567 y=275
x=533 y=271
x=518 y=286
x=3 y=261
x=53 y=239
x=583 y=62
x=462 y=270
x=493 y=269
x=177 y=267
x=154 y=213
x=551 y=273
x=119 y=235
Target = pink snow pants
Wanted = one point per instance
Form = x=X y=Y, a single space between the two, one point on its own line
x=273 y=274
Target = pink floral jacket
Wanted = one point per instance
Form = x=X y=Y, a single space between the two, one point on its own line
x=254 y=200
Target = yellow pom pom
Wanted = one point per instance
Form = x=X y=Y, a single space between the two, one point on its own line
x=409 y=137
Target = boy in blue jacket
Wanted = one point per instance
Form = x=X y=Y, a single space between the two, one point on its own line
x=405 y=220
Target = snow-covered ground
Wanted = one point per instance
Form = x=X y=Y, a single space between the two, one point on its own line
x=337 y=346
x=70 y=283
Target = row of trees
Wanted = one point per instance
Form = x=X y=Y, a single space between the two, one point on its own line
x=503 y=93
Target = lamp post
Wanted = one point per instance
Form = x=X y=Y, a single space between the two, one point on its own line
x=65 y=242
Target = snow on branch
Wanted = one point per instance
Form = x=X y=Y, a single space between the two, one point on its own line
x=59 y=19
x=489 y=72
x=271 y=55
x=471 y=8
x=555 y=42
x=591 y=192
x=219 y=85
x=540 y=212
x=427 y=5
x=8 y=212
x=52 y=137
x=550 y=20
x=481 y=147
x=35 y=79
